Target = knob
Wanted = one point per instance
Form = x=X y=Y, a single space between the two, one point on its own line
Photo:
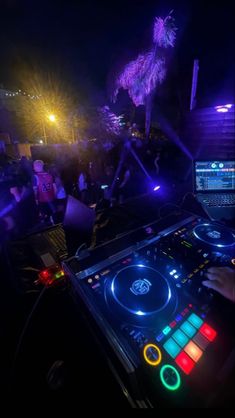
x=170 y=377
x=152 y=354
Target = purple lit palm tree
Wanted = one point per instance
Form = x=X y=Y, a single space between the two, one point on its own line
x=142 y=76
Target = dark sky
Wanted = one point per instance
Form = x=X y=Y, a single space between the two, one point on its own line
x=82 y=40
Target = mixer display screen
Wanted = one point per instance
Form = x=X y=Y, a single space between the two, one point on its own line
x=156 y=309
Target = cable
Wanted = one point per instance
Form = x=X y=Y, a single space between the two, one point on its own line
x=79 y=249
x=23 y=334
x=184 y=197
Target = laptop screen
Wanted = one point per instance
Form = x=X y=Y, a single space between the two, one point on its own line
x=214 y=176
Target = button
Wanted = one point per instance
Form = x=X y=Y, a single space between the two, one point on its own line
x=166 y=330
x=180 y=338
x=172 y=348
x=195 y=320
x=188 y=329
x=178 y=317
x=193 y=351
x=95 y=285
x=152 y=354
x=185 y=362
x=173 y=324
x=201 y=341
x=208 y=332
x=160 y=337
x=170 y=377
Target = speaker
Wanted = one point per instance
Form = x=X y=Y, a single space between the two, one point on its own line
x=78 y=217
x=78 y=224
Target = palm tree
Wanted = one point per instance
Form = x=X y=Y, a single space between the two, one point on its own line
x=143 y=75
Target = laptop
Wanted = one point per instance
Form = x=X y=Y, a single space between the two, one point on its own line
x=214 y=187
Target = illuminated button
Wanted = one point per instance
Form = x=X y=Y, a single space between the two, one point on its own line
x=103 y=273
x=193 y=351
x=180 y=338
x=172 y=348
x=195 y=320
x=95 y=286
x=185 y=362
x=170 y=377
x=166 y=330
x=178 y=318
x=173 y=324
x=89 y=280
x=188 y=329
x=152 y=354
x=160 y=337
x=208 y=332
x=201 y=341
x=176 y=276
x=233 y=261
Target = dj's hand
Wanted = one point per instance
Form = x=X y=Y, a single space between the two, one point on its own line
x=221 y=279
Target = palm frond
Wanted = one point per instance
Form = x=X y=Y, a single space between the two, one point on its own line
x=141 y=76
x=164 y=32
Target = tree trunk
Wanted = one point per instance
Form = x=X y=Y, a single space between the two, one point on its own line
x=148 y=112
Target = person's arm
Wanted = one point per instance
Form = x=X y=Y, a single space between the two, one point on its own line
x=55 y=189
x=221 y=279
x=35 y=188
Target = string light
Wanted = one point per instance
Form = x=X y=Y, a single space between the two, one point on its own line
x=20 y=93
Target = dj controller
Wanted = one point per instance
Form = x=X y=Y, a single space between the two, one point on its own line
x=168 y=336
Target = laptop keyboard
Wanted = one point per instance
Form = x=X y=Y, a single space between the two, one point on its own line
x=219 y=200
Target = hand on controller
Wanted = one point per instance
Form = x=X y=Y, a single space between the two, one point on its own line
x=221 y=279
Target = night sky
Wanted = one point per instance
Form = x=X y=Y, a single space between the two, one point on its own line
x=82 y=41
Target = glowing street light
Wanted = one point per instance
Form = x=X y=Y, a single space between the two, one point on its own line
x=52 y=118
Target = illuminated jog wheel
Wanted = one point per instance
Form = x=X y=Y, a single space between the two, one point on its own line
x=140 y=293
x=215 y=235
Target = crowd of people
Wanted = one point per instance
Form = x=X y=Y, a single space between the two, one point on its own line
x=34 y=191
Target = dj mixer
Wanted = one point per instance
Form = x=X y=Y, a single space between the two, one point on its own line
x=168 y=336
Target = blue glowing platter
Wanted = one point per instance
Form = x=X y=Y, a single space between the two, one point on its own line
x=215 y=235
x=140 y=290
